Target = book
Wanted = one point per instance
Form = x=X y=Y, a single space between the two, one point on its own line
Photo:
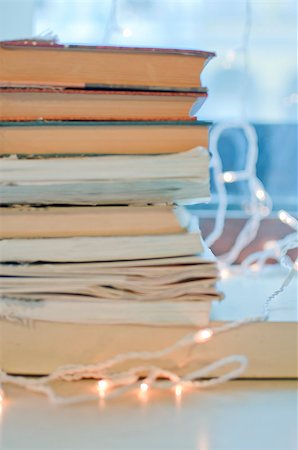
x=158 y=279
x=77 y=137
x=37 y=350
x=38 y=337
x=200 y=265
x=188 y=278
x=116 y=179
x=31 y=104
x=113 y=287
x=38 y=62
x=100 y=312
x=48 y=222
x=79 y=249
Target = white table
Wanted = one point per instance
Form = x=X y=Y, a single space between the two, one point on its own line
x=241 y=415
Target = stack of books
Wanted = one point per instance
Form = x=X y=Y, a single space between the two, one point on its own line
x=99 y=157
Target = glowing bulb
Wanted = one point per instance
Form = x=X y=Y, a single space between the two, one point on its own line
x=126 y=32
x=255 y=267
x=224 y=274
x=288 y=219
x=203 y=335
x=269 y=245
x=178 y=390
x=1 y=396
x=144 y=387
x=229 y=177
x=260 y=194
x=102 y=386
x=282 y=215
x=264 y=210
x=229 y=59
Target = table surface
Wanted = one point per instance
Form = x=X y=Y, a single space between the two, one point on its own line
x=241 y=415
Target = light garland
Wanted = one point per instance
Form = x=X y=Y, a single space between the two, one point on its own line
x=259 y=204
x=113 y=24
x=288 y=219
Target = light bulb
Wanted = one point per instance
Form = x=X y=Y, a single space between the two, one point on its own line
x=269 y=245
x=224 y=274
x=203 y=335
x=229 y=177
x=178 y=390
x=255 y=267
x=102 y=386
x=144 y=387
x=260 y=194
x=283 y=216
x=288 y=219
x=229 y=59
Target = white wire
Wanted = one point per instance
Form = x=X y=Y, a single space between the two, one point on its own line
x=257 y=210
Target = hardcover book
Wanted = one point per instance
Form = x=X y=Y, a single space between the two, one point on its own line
x=38 y=62
x=112 y=137
x=31 y=104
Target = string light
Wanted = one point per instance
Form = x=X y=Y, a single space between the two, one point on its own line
x=260 y=194
x=203 y=335
x=230 y=57
x=259 y=204
x=102 y=386
x=144 y=387
x=277 y=250
x=288 y=219
x=255 y=267
x=225 y=273
x=229 y=177
x=269 y=245
x=178 y=390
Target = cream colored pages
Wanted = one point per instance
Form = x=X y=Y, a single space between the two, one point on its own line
x=99 y=248
x=109 y=287
x=151 y=277
x=182 y=178
x=191 y=164
x=103 y=312
x=184 y=191
x=151 y=269
x=202 y=264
